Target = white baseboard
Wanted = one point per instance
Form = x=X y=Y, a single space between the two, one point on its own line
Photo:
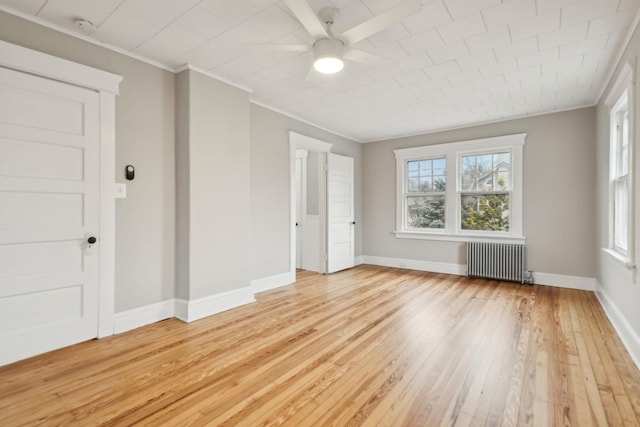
x=141 y=316
x=558 y=280
x=562 y=281
x=188 y=311
x=413 y=264
x=627 y=335
x=359 y=260
x=272 y=282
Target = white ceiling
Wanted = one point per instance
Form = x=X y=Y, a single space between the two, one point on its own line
x=456 y=63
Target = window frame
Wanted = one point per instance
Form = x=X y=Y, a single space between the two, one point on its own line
x=407 y=194
x=621 y=99
x=460 y=192
x=453 y=153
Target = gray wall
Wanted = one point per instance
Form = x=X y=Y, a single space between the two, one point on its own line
x=559 y=198
x=245 y=226
x=219 y=186
x=145 y=220
x=213 y=212
x=616 y=281
x=270 y=205
x=182 y=185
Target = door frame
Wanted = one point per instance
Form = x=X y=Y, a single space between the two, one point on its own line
x=106 y=84
x=300 y=141
x=302 y=155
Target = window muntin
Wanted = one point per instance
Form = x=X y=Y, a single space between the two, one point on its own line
x=425 y=185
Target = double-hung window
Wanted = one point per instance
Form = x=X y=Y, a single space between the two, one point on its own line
x=621 y=167
x=461 y=191
x=426 y=182
x=485 y=191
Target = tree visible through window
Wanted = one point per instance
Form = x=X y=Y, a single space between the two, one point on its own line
x=485 y=187
x=461 y=191
x=426 y=186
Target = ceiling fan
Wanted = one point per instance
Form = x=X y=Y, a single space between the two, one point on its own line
x=330 y=49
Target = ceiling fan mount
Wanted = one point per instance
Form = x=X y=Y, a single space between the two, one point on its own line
x=328 y=15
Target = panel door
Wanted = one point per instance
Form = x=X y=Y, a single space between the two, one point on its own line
x=340 y=213
x=49 y=207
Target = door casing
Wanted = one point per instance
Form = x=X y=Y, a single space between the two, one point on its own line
x=106 y=84
x=298 y=141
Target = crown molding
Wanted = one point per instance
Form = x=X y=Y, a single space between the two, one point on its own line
x=212 y=75
x=294 y=117
x=483 y=123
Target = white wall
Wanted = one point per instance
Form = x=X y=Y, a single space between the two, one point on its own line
x=619 y=286
x=559 y=198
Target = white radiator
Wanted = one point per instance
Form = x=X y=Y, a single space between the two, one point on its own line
x=499 y=261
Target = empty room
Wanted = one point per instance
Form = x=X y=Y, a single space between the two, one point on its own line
x=319 y=212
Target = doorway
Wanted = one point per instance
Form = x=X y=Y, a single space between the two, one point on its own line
x=309 y=230
x=322 y=207
x=57 y=121
x=303 y=235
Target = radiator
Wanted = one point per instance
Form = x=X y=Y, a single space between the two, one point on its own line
x=499 y=261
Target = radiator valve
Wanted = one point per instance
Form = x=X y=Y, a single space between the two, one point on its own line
x=528 y=277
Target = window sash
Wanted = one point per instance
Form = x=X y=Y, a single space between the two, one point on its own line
x=408 y=211
x=621 y=223
x=621 y=215
x=414 y=195
x=621 y=140
x=488 y=222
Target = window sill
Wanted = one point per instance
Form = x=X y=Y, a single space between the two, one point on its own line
x=619 y=258
x=422 y=235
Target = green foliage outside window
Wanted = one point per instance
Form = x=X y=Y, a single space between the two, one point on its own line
x=426 y=184
x=428 y=212
x=486 y=212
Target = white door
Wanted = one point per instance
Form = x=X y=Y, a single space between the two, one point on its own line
x=49 y=209
x=340 y=213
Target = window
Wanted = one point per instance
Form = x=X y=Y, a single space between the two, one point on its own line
x=485 y=191
x=461 y=191
x=621 y=167
x=425 y=193
x=620 y=177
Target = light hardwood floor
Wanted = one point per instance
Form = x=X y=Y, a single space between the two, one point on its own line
x=367 y=346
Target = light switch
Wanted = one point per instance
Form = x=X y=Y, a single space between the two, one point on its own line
x=120 y=191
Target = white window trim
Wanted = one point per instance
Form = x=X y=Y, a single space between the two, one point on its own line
x=623 y=87
x=452 y=152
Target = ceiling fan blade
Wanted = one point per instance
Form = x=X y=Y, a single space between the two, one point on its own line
x=280 y=47
x=366 y=58
x=382 y=21
x=308 y=19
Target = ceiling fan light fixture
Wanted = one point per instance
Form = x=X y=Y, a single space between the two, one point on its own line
x=328 y=65
x=328 y=54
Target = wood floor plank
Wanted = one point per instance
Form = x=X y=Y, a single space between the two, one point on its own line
x=371 y=346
